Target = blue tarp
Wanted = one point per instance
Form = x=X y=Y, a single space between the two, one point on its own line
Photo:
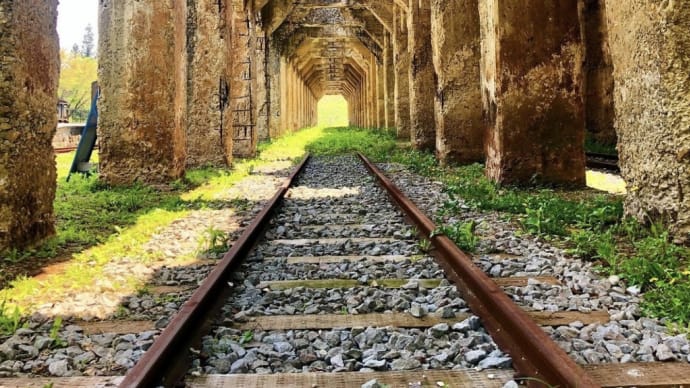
x=87 y=141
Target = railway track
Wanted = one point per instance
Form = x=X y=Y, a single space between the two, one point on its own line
x=330 y=278
x=603 y=162
x=339 y=283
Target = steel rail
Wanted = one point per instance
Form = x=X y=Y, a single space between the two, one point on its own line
x=160 y=361
x=535 y=356
x=602 y=161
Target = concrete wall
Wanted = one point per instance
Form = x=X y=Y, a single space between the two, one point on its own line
x=143 y=78
x=650 y=47
x=29 y=65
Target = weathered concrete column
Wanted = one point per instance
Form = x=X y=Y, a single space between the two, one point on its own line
x=242 y=95
x=422 y=131
x=531 y=91
x=207 y=85
x=650 y=47
x=143 y=78
x=388 y=82
x=402 y=74
x=381 y=95
x=458 y=106
x=261 y=83
x=275 y=82
x=29 y=63
x=284 y=81
x=598 y=85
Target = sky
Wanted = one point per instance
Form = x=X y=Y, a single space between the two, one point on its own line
x=73 y=16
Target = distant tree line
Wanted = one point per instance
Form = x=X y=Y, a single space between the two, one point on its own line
x=78 y=69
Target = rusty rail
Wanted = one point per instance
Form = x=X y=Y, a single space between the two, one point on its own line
x=602 y=161
x=160 y=363
x=534 y=354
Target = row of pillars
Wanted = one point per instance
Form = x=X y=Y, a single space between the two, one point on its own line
x=473 y=84
x=364 y=93
x=517 y=84
x=299 y=104
x=497 y=80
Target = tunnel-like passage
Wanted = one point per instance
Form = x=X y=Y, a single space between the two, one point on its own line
x=513 y=83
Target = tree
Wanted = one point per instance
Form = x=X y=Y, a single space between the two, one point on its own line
x=75 y=50
x=87 y=43
x=76 y=74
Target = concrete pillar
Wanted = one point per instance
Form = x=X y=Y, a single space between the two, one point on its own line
x=402 y=74
x=30 y=64
x=261 y=83
x=275 y=87
x=381 y=95
x=143 y=77
x=388 y=82
x=531 y=90
x=421 y=69
x=458 y=106
x=207 y=86
x=650 y=42
x=598 y=85
x=242 y=93
x=284 y=80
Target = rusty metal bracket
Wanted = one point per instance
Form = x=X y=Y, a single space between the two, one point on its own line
x=161 y=360
x=535 y=355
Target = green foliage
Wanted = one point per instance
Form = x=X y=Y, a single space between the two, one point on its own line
x=55 y=333
x=247 y=337
x=540 y=220
x=214 y=241
x=424 y=245
x=591 y=145
x=10 y=319
x=346 y=140
x=462 y=233
x=77 y=72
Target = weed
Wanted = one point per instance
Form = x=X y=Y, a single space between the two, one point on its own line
x=55 y=333
x=462 y=233
x=213 y=241
x=424 y=245
x=247 y=337
x=10 y=319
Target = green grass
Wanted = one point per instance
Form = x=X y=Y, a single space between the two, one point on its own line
x=592 y=145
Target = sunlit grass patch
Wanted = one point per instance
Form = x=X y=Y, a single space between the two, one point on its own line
x=346 y=140
x=606 y=182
